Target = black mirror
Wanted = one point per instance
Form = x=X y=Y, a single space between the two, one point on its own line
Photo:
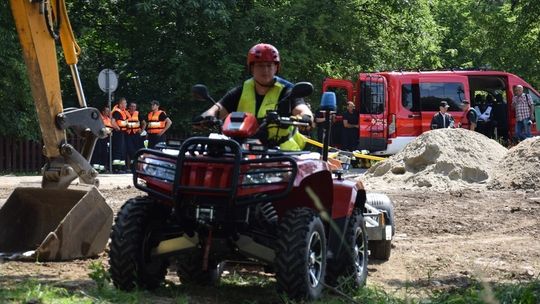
x=301 y=89
x=200 y=92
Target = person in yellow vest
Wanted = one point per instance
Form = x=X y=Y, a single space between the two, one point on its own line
x=100 y=157
x=135 y=132
x=262 y=92
x=119 y=123
x=158 y=124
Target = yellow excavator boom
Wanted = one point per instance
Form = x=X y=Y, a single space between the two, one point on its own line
x=54 y=222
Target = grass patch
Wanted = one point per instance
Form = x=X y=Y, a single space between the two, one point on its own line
x=239 y=286
x=518 y=293
x=35 y=292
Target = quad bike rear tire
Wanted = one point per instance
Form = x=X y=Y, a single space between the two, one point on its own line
x=134 y=234
x=300 y=261
x=189 y=270
x=352 y=261
x=382 y=249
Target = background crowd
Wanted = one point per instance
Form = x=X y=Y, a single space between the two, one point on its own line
x=128 y=131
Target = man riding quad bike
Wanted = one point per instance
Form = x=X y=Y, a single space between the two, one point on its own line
x=224 y=199
x=240 y=196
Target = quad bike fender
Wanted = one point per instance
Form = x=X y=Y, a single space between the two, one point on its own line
x=348 y=195
x=320 y=198
x=307 y=168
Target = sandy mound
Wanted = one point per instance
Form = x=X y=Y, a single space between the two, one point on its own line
x=520 y=167
x=440 y=159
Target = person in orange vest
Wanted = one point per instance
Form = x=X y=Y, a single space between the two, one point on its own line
x=135 y=132
x=158 y=124
x=119 y=123
x=100 y=157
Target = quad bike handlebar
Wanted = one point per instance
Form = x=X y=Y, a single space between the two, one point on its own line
x=271 y=117
x=297 y=121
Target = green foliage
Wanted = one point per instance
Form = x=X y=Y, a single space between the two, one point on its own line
x=99 y=274
x=35 y=292
x=253 y=289
x=18 y=116
x=500 y=35
x=525 y=293
x=161 y=48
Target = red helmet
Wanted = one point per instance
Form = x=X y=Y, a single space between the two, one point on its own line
x=263 y=52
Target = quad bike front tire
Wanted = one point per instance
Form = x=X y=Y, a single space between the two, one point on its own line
x=134 y=234
x=382 y=249
x=300 y=261
x=352 y=261
x=189 y=270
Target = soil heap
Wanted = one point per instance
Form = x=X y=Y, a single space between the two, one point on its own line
x=442 y=159
x=519 y=168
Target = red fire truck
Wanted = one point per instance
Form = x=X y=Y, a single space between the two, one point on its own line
x=395 y=107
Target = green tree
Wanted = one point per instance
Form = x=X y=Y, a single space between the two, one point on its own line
x=161 y=48
x=501 y=35
x=18 y=115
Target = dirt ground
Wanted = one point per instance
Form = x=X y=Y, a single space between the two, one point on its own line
x=443 y=239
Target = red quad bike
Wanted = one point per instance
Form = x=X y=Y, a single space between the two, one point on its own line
x=229 y=198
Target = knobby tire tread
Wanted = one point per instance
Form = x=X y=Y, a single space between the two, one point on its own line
x=290 y=263
x=127 y=237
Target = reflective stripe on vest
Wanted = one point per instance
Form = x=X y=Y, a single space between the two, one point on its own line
x=154 y=125
x=106 y=121
x=483 y=116
x=133 y=125
x=123 y=122
x=248 y=102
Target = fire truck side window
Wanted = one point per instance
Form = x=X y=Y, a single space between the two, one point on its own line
x=371 y=98
x=432 y=93
x=428 y=95
x=534 y=97
x=410 y=97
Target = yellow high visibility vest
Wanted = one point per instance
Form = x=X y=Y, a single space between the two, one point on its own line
x=247 y=103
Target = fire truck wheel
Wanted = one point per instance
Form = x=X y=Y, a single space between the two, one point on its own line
x=352 y=262
x=135 y=232
x=300 y=261
x=189 y=270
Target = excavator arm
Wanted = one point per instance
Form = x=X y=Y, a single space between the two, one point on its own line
x=40 y=23
x=55 y=222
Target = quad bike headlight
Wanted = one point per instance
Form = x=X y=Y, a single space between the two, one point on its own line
x=157 y=168
x=258 y=177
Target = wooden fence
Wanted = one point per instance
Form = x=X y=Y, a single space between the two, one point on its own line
x=19 y=155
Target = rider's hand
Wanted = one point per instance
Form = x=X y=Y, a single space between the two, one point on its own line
x=303 y=118
x=306 y=118
x=197 y=119
x=204 y=122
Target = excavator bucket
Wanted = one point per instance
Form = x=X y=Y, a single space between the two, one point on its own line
x=54 y=224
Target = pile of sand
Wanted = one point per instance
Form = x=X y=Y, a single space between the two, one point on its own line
x=440 y=159
x=519 y=168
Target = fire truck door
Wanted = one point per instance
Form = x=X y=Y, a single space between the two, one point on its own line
x=373 y=112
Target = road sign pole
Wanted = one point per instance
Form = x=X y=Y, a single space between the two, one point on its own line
x=108 y=82
x=109 y=93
